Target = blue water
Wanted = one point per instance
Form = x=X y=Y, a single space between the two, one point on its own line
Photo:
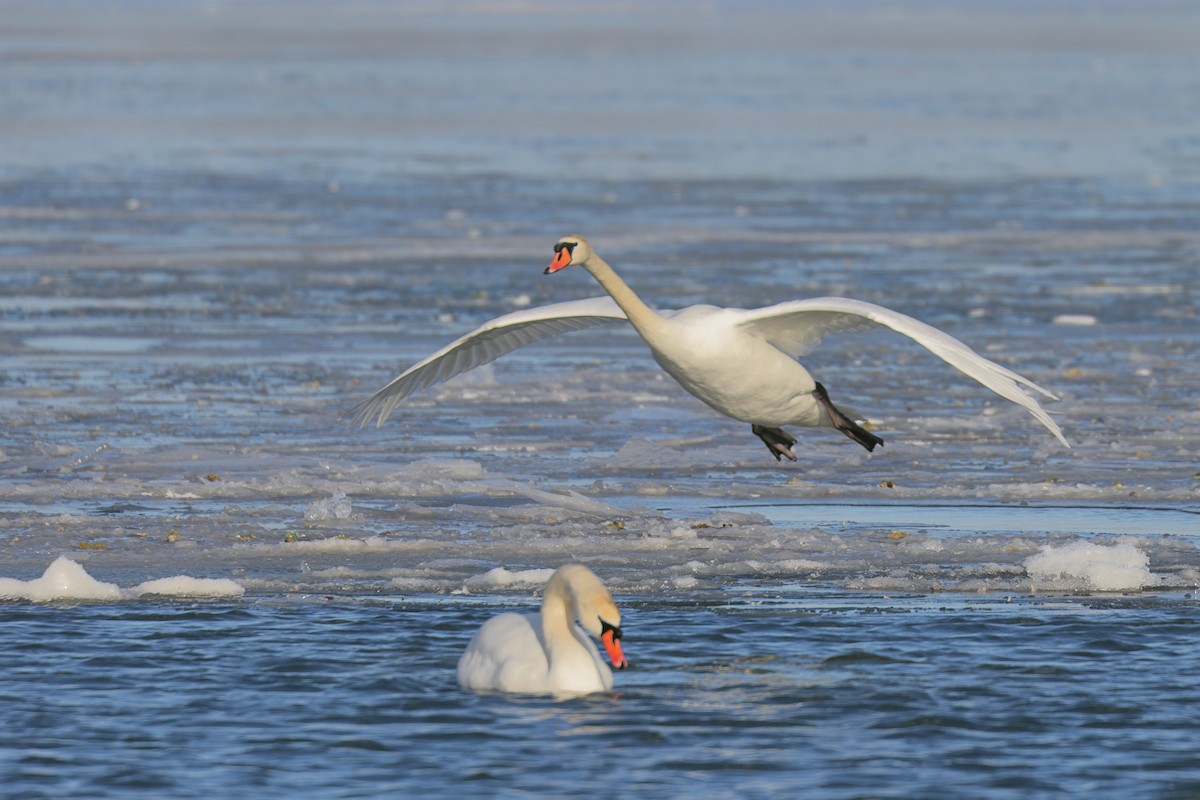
x=774 y=692
x=223 y=225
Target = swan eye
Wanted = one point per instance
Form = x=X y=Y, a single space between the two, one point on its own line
x=568 y=246
x=605 y=628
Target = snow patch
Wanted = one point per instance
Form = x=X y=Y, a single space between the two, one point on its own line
x=67 y=580
x=186 y=586
x=1074 y=319
x=504 y=577
x=64 y=579
x=1087 y=566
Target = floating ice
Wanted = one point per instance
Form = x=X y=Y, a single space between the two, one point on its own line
x=64 y=579
x=83 y=457
x=333 y=544
x=1087 y=566
x=336 y=507
x=504 y=577
x=186 y=586
x=1074 y=319
x=67 y=580
x=570 y=501
x=638 y=453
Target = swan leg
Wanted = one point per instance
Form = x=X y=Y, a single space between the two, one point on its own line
x=844 y=423
x=776 y=440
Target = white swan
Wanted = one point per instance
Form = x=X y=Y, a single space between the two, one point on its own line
x=546 y=653
x=741 y=362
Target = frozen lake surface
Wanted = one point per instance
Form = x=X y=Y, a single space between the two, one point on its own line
x=222 y=226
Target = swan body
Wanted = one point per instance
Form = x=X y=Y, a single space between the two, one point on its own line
x=740 y=362
x=546 y=652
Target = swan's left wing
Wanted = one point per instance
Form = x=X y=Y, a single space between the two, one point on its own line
x=798 y=326
x=485 y=344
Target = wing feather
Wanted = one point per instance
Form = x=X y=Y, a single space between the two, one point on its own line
x=798 y=326
x=483 y=345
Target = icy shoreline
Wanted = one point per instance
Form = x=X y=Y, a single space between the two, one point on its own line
x=936 y=548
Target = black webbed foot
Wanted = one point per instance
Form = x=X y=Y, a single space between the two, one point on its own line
x=776 y=440
x=844 y=423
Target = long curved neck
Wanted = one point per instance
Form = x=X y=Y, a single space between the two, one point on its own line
x=558 y=612
x=642 y=317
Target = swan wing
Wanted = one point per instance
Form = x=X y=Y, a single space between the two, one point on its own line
x=485 y=344
x=506 y=655
x=798 y=326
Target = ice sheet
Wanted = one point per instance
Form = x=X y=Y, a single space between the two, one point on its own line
x=192 y=300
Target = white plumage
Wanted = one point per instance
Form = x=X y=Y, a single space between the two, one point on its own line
x=741 y=362
x=546 y=652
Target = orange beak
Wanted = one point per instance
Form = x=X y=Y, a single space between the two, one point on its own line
x=561 y=259
x=612 y=646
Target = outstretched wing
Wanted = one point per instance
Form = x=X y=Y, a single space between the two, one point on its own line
x=485 y=344
x=798 y=326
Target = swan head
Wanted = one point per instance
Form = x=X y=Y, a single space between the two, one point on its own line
x=569 y=250
x=594 y=608
x=605 y=625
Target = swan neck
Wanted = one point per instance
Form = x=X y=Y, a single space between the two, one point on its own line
x=558 y=613
x=640 y=314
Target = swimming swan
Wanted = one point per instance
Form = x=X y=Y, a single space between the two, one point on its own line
x=547 y=652
x=741 y=362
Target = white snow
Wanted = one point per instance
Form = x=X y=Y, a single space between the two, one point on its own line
x=186 y=586
x=1074 y=319
x=1089 y=566
x=64 y=579
x=505 y=577
x=67 y=580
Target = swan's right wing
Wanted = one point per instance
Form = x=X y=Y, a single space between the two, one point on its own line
x=485 y=344
x=796 y=327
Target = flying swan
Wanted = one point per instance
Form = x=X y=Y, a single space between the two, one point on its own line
x=546 y=652
x=741 y=362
